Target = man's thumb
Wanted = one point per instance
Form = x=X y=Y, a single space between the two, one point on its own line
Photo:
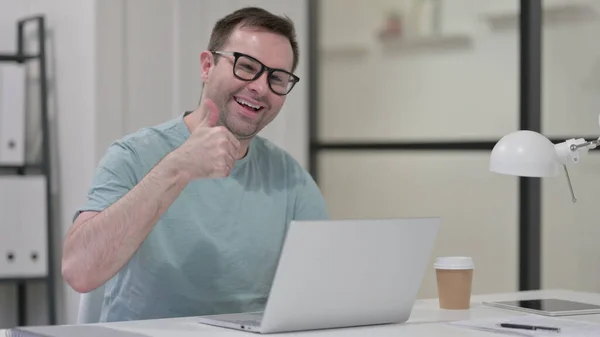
x=212 y=113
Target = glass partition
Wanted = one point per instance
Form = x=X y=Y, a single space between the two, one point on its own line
x=442 y=74
x=412 y=95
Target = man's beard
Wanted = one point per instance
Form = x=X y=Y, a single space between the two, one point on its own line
x=228 y=120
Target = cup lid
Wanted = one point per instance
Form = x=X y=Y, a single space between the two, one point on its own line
x=454 y=262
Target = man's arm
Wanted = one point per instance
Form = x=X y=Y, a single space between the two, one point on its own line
x=99 y=244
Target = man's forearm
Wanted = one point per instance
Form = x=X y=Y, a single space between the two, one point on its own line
x=97 y=248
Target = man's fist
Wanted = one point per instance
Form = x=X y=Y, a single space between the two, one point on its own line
x=210 y=151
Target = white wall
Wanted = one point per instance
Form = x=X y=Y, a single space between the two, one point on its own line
x=116 y=66
x=370 y=91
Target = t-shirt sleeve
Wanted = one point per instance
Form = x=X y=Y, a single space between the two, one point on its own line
x=310 y=203
x=114 y=176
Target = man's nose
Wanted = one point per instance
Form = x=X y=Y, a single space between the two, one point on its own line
x=260 y=85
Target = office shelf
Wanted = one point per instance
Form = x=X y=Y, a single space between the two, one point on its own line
x=16 y=58
x=425 y=43
x=399 y=44
x=22 y=56
x=552 y=14
x=350 y=50
x=22 y=167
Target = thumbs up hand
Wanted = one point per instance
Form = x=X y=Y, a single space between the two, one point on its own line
x=210 y=151
x=211 y=117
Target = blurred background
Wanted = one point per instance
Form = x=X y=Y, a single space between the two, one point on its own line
x=398 y=107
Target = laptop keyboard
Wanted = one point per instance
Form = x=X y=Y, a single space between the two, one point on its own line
x=248 y=322
x=247 y=319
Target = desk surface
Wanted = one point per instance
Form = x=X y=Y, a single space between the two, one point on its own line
x=426 y=320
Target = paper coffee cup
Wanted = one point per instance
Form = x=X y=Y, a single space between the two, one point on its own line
x=454 y=280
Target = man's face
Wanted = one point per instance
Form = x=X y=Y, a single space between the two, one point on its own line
x=233 y=95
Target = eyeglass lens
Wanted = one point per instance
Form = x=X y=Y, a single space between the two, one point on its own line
x=247 y=69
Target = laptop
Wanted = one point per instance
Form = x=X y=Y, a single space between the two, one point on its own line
x=342 y=273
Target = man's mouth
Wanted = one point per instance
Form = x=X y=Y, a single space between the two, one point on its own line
x=250 y=107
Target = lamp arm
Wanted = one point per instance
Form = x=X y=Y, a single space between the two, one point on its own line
x=592 y=144
x=569 y=152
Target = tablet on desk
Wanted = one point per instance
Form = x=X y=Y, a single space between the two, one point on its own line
x=548 y=307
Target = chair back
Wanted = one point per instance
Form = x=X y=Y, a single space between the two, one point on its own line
x=90 y=306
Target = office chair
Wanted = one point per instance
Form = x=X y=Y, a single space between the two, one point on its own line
x=90 y=306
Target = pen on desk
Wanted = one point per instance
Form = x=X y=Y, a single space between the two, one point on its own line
x=529 y=327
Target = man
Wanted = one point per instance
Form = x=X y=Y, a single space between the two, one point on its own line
x=188 y=217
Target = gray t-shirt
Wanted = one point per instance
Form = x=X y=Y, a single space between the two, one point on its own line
x=215 y=249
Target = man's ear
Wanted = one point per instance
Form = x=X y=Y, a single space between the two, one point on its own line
x=207 y=62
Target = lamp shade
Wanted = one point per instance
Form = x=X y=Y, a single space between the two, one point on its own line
x=525 y=153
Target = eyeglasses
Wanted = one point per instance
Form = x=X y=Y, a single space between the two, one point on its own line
x=247 y=68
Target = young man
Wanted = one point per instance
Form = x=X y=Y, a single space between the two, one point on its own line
x=188 y=217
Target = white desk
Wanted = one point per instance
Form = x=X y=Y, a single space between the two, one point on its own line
x=426 y=320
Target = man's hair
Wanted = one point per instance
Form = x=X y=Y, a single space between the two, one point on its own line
x=254 y=17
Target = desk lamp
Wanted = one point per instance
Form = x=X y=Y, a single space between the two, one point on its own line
x=527 y=153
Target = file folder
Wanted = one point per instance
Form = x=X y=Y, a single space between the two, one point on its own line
x=12 y=114
x=23 y=227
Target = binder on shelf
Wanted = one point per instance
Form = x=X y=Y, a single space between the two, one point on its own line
x=23 y=230
x=12 y=114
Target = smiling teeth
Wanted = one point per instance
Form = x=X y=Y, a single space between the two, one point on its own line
x=241 y=101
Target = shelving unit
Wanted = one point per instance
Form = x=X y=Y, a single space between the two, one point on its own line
x=43 y=168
